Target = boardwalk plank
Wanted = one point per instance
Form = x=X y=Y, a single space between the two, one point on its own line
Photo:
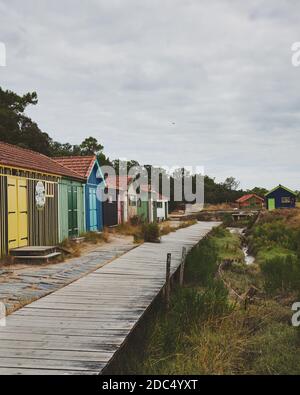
x=79 y=328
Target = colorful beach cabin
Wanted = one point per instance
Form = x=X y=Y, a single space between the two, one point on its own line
x=280 y=197
x=115 y=208
x=132 y=199
x=250 y=201
x=162 y=208
x=29 y=198
x=147 y=203
x=88 y=168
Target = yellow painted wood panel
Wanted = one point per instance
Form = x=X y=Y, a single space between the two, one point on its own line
x=17 y=212
x=22 y=213
x=12 y=208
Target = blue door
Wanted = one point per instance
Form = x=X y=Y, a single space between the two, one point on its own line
x=93 y=212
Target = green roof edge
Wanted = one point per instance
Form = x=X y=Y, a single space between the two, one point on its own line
x=281 y=186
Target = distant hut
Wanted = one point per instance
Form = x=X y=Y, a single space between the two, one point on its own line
x=132 y=199
x=250 y=201
x=280 y=197
x=162 y=207
x=115 y=208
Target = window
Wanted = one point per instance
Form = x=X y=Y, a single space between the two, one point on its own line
x=159 y=204
x=50 y=187
x=285 y=200
x=132 y=201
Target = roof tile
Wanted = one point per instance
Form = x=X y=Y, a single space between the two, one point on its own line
x=23 y=158
x=81 y=165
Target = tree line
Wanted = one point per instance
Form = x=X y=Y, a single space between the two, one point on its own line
x=19 y=129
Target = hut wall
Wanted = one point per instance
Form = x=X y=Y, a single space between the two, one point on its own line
x=42 y=223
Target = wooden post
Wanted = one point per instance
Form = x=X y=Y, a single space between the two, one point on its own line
x=168 y=282
x=181 y=273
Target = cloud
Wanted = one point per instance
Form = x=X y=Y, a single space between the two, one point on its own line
x=173 y=82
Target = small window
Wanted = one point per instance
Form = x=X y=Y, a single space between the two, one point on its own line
x=50 y=189
x=285 y=200
x=159 y=204
x=132 y=201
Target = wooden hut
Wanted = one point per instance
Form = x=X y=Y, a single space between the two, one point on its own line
x=115 y=208
x=162 y=208
x=132 y=199
x=250 y=201
x=280 y=197
x=147 y=203
x=88 y=168
x=29 y=198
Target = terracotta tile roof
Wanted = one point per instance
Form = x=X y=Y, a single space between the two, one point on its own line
x=14 y=156
x=247 y=197
x=81 y=165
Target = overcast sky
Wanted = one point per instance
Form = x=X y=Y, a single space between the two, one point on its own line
x=167 y=82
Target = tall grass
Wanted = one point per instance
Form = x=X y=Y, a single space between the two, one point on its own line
x=275 y=240
x=203 y=332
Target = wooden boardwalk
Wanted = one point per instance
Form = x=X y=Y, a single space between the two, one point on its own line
x=79 y=328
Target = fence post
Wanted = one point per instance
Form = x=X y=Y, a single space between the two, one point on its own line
x=181 y=272
x=168 y=282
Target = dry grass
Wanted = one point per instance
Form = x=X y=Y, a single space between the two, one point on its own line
x=219 y=207
x=166 y=228
x=72 y=249
x=128 y=229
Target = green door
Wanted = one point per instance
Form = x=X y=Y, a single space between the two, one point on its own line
x=72 y=211
x=271 y=204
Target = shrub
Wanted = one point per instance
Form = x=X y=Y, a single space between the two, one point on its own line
x=136 y=220
x=150 y=232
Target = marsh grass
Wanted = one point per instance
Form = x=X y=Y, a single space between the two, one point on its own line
x=205 y=332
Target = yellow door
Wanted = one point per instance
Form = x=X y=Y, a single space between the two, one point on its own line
x=17 y=212
x=22 y=213
x=12 y=207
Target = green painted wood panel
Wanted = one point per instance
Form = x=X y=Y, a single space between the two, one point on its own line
x=142 y=209
x=71 y=195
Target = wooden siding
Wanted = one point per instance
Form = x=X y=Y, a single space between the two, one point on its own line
x=43 y=224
